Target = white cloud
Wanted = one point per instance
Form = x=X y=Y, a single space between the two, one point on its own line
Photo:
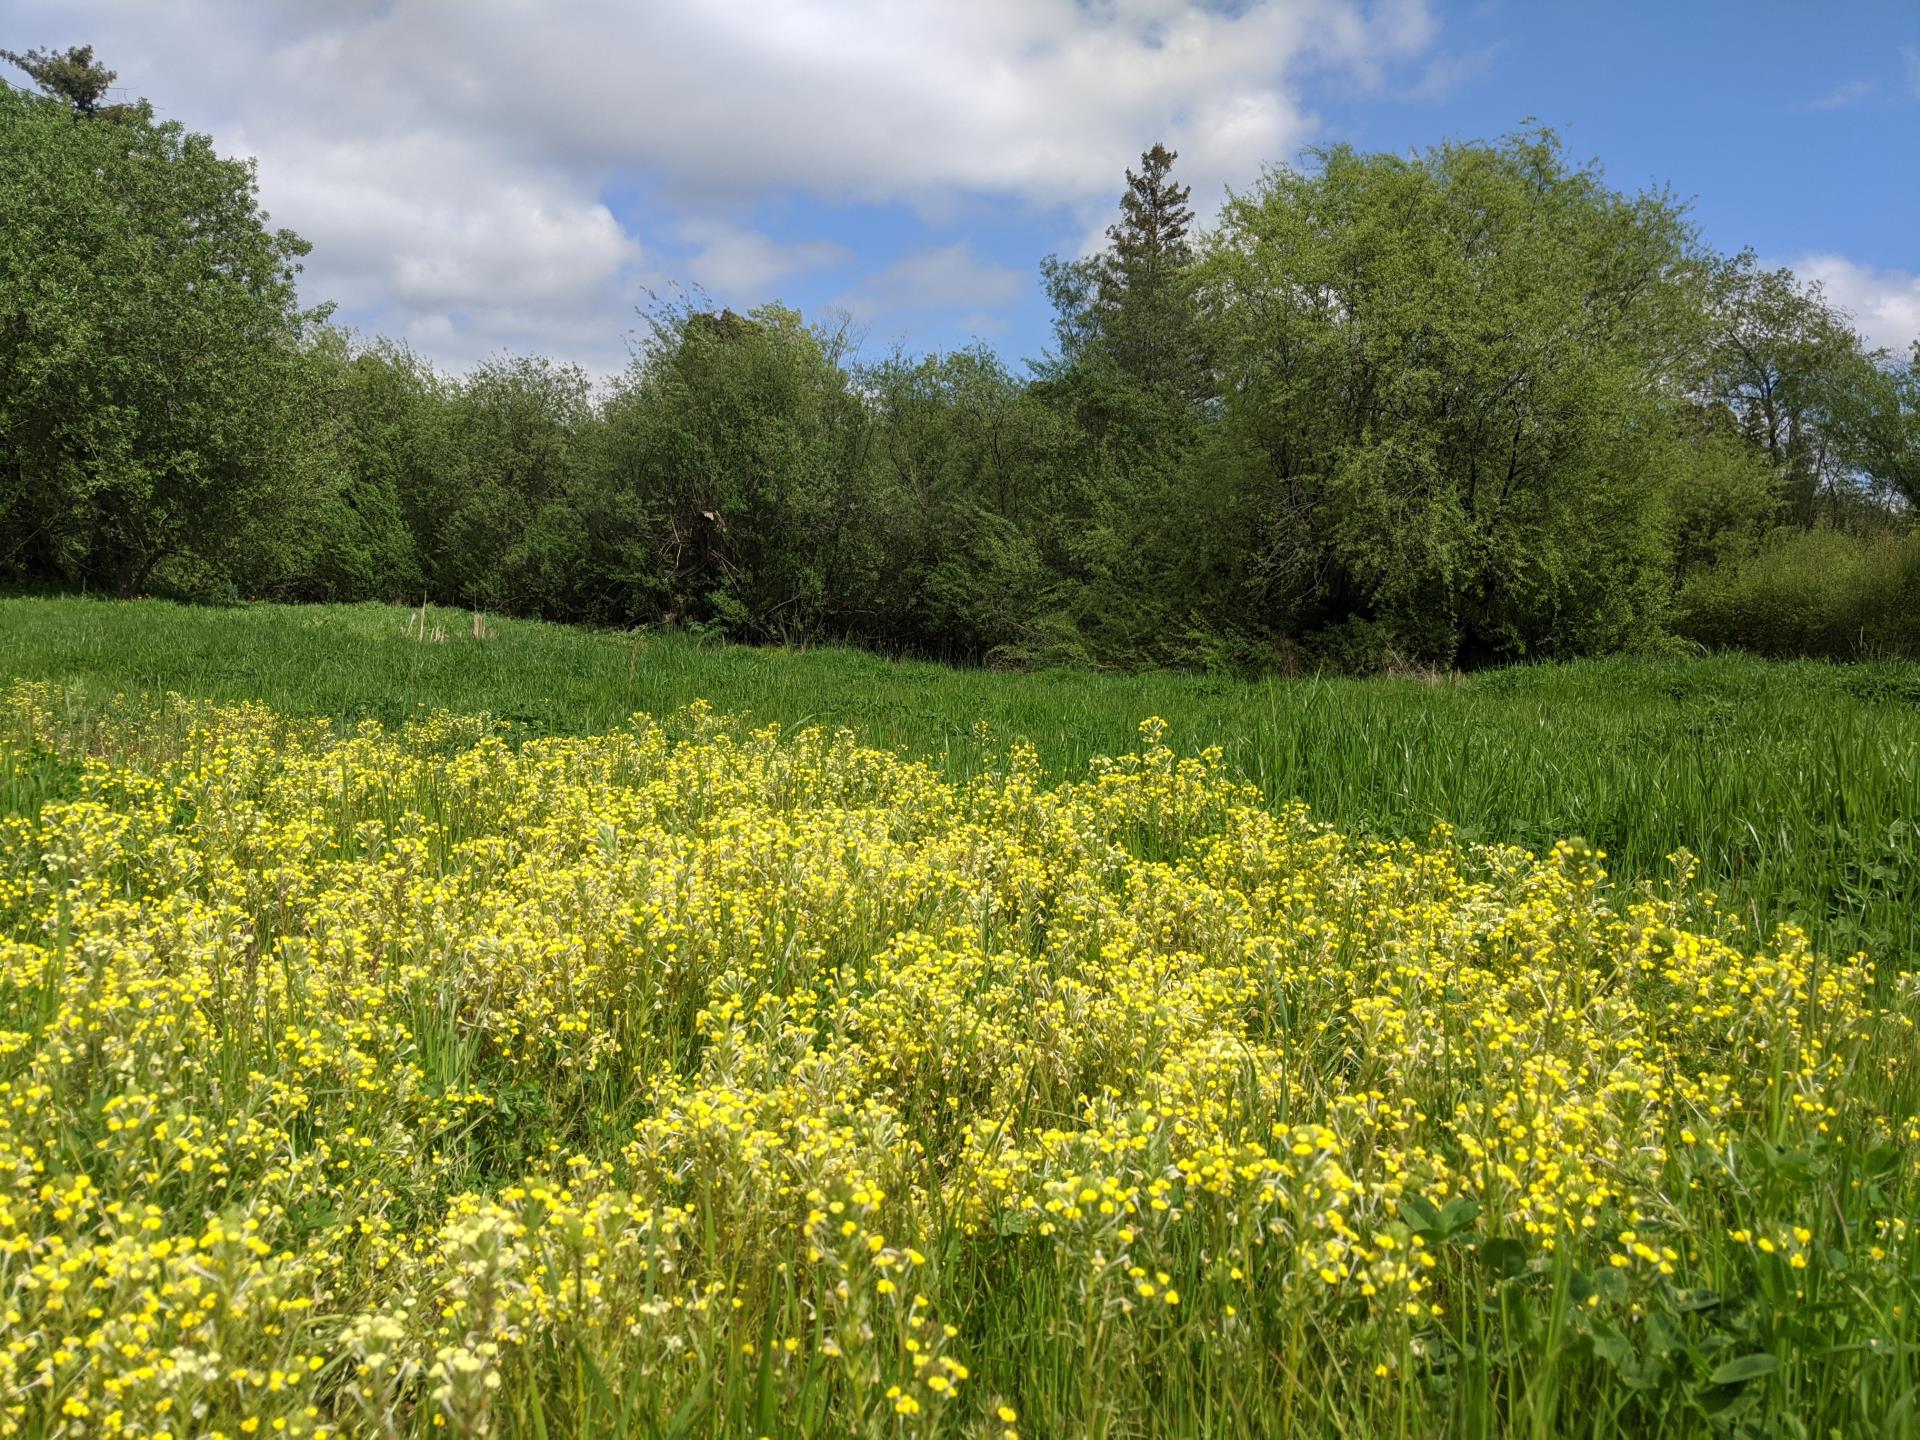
x=1884 y=304
x=1842 y=97
x=871 y=99
x=422 y=222
x=1911 y=54
x=945 y=278
x=745 y=265
x=1446 y=74
x=449 y=160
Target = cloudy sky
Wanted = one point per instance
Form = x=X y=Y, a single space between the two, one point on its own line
x=478 y=175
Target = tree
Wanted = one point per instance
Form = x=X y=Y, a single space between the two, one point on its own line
x=384 y=409
x=151 y=354
x=1144 y=290
x=1131 y=308
x=1801 y=385
x=72 y=76
x=492 y=494
x=1890 y=442
x=730 y=475
x=1131 y=375
x=1725 y=501
x=970 y=489
x=1449 y=387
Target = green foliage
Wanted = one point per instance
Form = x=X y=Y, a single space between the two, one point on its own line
x=151 y=368
x=1427 y=412
x=1797 y=784
x=1725 y=501
x=377 y=402
x=1445 y=376
x=1803 y=389
x=1817 y=593
x=71 y=75
x=1148 y=321
x=1890 y=437
x=973 y=507
x=497 y=519
x=731 y=458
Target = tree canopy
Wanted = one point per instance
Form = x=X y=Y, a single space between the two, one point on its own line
x=152 y=373
x=1457 y=407
x=71 y=75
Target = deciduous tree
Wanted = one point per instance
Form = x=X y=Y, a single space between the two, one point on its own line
x=152 y=406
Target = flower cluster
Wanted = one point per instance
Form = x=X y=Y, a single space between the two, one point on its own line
x=719 y=1080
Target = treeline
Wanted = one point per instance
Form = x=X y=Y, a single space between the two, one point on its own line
x=1451 y=409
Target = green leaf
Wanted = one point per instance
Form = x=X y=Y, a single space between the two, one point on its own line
x=1503 y=1256
x=1457 y=1214
x=1688 y=1302
x=1794 y=1164
x=1610 y=1346
x=1747 y=1367
x=1662 y=1337
x=1612 y=1286
x=1420 y=1215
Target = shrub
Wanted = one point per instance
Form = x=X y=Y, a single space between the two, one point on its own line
x=1817 y=593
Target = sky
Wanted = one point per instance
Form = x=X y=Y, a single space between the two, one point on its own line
x=479 y=176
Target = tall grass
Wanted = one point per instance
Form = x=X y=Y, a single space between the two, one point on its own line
x=1821 y=592
x=1797 y=784
x=706 y=1082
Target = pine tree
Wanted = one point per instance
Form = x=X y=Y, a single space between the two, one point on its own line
x=1150 y=241
x=1143 y=292
x=73 y=76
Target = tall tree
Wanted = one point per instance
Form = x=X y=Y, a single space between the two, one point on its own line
x=1449 y=387
x=1144 y=289
x=1886 y=434
x=1131 y=371
x=152 y=406
x=1131 y=309
x=730 y=480
x=1800 y=383
x=71 y=75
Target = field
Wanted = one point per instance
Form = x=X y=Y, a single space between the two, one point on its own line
x=1797 y=785
x=412 y=1034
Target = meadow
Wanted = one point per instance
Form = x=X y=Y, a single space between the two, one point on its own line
x=407 y=1031
x=1796 y=784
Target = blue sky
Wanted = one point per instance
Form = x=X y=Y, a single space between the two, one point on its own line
x=1797 y=137
x=1790 y=127
x=479 y=175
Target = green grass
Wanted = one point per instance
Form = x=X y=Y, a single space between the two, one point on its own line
x=1798 y=785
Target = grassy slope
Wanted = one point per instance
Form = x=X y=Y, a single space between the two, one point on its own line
x=1798 y=785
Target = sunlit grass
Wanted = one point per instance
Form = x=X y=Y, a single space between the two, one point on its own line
x=1797 y=785
x=695 y=1079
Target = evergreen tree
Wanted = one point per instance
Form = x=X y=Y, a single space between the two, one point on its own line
x=72 y=76
x=1143 y=289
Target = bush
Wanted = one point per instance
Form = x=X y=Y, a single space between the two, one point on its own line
x=1816 y=593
